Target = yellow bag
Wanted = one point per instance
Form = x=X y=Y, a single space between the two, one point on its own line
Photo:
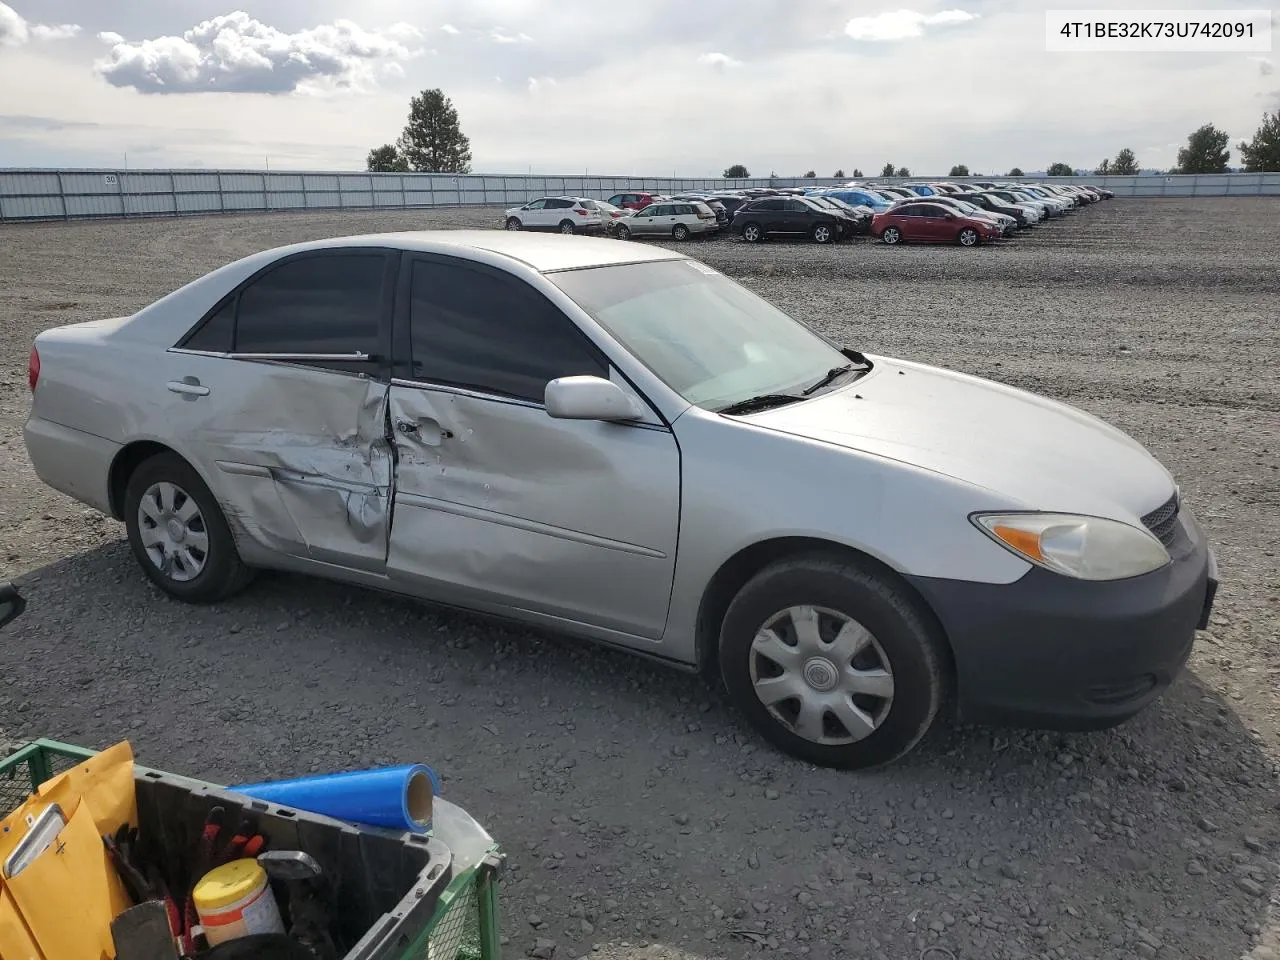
x=60 y=907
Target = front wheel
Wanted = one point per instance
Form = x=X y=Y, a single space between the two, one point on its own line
x=680 y=232
x=822 y=233
x=891 y=236
x=179 y=534
x=513 y=223
x=566 y=226
x=832 y=663
x=752 y=233
x=968 y=237
x=622 y=232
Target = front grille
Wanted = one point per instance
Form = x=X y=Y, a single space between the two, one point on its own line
x=1163 y=520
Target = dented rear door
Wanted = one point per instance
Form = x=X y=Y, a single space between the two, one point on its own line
x=281 y=398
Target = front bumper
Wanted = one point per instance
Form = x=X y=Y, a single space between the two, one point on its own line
x=1053 y=652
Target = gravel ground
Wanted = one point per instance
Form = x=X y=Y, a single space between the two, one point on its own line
x=643 y=820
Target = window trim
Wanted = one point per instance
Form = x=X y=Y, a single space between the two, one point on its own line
x=402 y=372
x=391 y=265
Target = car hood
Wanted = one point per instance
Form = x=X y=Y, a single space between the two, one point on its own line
x=1035 y=453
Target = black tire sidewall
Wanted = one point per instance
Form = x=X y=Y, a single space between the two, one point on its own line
x=893 y=618
x=223 y=563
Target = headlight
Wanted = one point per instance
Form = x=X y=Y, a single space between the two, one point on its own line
x=1087 y=548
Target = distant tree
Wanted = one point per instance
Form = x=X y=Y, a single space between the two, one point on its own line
x=1104 y=168
x=1126 y=164
x=386 y=159
x=810 y=175
x=838 y=175
x=433 y=141
x=1015 y=172
x=959 y=170
x=1061 y=170
x=736 y=172
x=904 y=172
x=1206 y=151
x=888 y=170
x=1262 y=153
x=857 y=173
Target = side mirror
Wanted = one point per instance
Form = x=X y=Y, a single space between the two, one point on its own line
x=949 y=216
x=589 y=398
x=11 y=603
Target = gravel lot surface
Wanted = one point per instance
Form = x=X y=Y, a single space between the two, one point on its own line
x=643 y=820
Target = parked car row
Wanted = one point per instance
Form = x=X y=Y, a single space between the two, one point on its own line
x=966 y=213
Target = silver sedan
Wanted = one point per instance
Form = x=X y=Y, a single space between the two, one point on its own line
x=621 y=443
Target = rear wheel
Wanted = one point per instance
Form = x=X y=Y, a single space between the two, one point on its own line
x=513 y=223
x=179 y=534
x=891 y=235
x=968 y=237
x=832 y=663
x=680 y=232
x=822 y=233
x=752 y=232
x=566 y=226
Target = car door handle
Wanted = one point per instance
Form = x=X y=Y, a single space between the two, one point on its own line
x=432 y=437
x=190 y=387
x=406 y=426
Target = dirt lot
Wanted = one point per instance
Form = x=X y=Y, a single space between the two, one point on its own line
x=642 y=819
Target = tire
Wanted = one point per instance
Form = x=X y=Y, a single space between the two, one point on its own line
x=891 y=236
x=566 y=226
x=968 y=237
x=900 y=655
x=680 y=232
x=169 y=484
x=513 y=223
x=752 y=232
x=823 y=233
x=622 y=232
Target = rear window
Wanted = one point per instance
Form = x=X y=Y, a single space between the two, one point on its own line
x=588 y=204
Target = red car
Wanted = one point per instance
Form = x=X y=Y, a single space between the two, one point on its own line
x=632 y=201
x=933 y=223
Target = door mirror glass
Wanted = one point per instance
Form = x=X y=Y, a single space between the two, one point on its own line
x=949 y=216
x=589 y=398
x=11 y=603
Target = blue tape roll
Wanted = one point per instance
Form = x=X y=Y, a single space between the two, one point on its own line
x=394 y=797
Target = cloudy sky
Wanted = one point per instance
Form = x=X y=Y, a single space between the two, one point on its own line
x=657 y=87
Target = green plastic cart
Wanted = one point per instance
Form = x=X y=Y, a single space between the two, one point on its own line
x=443 y=915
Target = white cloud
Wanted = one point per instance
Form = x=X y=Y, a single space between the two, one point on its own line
x=450 y=29
x=902 y=24
x=498 y=36
x=15 y=30
x=58 y=31
x=238 y=54
x=719 y=61
x=538 y=84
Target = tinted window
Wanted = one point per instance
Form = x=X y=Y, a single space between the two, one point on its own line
x=217 y=334
x=685 y=209
x=589 y=205
x=767 y=205
x=795 y=206
x=537 y=204
x=489 y=331
x=321 y=304
x=558 y=204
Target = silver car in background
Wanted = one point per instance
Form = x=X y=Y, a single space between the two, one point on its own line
x=677 y=219
x=619 y=442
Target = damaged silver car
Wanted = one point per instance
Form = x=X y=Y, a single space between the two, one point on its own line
x=619 y=442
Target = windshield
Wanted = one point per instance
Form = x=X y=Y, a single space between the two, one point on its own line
x=709 y=339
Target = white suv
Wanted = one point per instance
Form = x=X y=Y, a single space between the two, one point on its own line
x=565 y=214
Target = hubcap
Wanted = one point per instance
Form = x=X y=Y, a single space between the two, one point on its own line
x=567 y=228
x=822 y=675
x=968 y=238
x=823 y=235
x=173 y=532
x=751 y=233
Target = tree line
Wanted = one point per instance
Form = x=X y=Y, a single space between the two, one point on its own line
x=433 y=142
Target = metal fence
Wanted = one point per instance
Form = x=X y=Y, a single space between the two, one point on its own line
x=27 y=195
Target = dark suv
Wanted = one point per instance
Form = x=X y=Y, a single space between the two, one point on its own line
x=771 y=216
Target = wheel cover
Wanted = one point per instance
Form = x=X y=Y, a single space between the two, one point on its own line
x=822 y=234
x=681 y=232
x=822 y=675
x=173 y=532
x=890 y=235
x=513 y=224
x=968 y=237
x=751 y=233
x=566 y=228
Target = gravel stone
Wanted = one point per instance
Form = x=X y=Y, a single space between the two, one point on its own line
x=353 y=677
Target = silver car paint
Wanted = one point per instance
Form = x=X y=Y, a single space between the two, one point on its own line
x=607 y=530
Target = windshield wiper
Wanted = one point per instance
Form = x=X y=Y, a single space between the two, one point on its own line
x=761 y=402
x=832 y=375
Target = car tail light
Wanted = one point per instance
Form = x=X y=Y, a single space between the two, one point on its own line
x=579 y=211
x=33 y=369
x=706 y=216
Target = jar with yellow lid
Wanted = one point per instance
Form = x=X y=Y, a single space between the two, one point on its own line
x=235 y=900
